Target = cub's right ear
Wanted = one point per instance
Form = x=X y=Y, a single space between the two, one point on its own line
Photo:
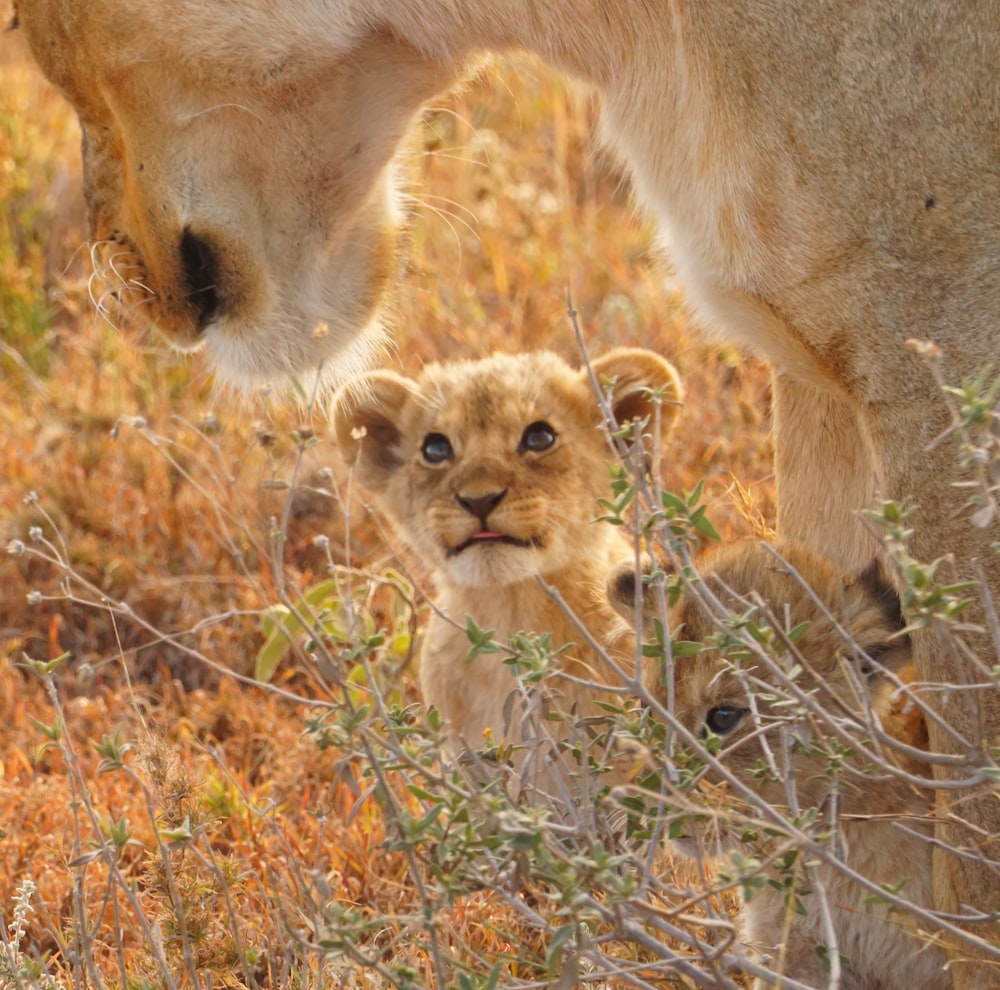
x=637 y=374
x=367 y=417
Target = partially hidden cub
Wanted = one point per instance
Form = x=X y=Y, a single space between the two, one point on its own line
x=776 y=739
x=491 y=472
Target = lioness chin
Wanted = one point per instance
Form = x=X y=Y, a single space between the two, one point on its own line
x=823 y=729
x=491 y=472
x=825 y=174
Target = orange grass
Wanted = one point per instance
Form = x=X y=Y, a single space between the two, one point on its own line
x=155 y=490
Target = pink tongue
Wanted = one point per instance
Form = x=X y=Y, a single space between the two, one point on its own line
x=486 y=534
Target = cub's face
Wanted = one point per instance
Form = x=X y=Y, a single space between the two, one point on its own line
x=491 y=469
x=777 y=720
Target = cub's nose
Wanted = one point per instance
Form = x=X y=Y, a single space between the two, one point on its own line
x=481 y=505
x=200 y=267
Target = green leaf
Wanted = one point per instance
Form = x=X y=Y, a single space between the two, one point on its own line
x=51 y=732
x=273 y=618
x=794 y=635
x=270 y=655
x=481 y=639
x=703 y=527
x=44 y=668
x=554 y=952
x=181 y=835
x=685 y=648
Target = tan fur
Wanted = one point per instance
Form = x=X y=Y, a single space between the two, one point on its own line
x=885 y=822
x=825 y=176
x=546 y=500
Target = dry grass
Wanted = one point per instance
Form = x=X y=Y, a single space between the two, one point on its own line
x=155 y=498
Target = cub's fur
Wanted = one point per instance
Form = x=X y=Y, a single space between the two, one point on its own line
x=884 y=826
x=491 y=471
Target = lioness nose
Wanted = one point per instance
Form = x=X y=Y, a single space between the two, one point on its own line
x=481 y=505
x=201 y=269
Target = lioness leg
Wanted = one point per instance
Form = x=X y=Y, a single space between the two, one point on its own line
x=941 y=527
x=965 y=880
x=826 y=473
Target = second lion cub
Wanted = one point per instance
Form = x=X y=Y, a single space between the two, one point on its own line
x=491 y=472
x=818 y=729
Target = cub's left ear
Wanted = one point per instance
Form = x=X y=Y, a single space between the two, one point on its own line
x=620 y=588
x=639 y=380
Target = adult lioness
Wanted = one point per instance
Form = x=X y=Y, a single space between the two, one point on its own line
x=826 y=175
x=491 y=472
x=815 y=727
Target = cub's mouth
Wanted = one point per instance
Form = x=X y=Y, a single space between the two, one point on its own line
x=490 y=536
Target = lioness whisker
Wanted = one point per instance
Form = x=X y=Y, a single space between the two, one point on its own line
x=448 y=217
x=114 y=264
x=83 y=246
x=425 y=198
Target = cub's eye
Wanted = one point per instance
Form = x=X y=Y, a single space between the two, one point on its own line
x=436 y=448
x=724 y=719
x=537 y=437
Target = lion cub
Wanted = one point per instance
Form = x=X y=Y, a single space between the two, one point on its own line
x=780 y=744
x=491 y=472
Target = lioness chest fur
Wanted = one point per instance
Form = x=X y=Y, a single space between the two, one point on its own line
x=491 y=472
x=826 y=738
